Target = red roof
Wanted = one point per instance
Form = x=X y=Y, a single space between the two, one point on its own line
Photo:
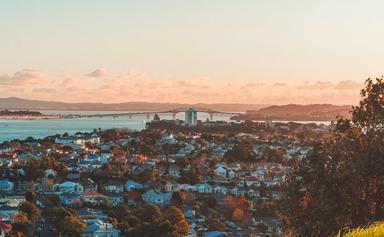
x=97 y=194
x=276 y=170
x=6 y=227
x=132 y=195
x=251 y=178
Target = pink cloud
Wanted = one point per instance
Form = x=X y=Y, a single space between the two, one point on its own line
x=319 y=85
x=99 y=72
x=138 y=86
x=348 y=85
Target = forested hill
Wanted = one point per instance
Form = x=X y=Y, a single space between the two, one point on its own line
x=310 y=112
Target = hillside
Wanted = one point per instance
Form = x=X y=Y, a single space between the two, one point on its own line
x=313 y=112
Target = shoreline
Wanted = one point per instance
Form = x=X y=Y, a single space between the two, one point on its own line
x=30 y=117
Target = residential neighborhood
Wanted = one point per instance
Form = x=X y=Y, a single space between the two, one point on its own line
x=115 y=182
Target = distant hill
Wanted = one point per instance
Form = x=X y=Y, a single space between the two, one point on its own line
x=295 y=112
x=13 y=103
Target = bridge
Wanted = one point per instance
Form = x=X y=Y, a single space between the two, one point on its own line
x=150 y=114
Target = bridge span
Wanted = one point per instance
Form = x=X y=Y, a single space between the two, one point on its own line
x=150 y=114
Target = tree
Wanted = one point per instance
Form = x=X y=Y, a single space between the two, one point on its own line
x=340 y=183
x=216 y=224
x=237 y=215
x=21 y=225
x=66 y=221
x=178 y=198
x=32 y=169
x=30 y=196
x=31 y=210
x=239 y=152
x=176 y=218
x=149 y=213
x=156 y=117
x=71 y=226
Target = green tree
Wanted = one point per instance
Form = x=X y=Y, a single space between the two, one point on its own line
x=341 y=182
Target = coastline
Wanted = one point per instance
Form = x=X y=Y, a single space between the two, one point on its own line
x=29 y=117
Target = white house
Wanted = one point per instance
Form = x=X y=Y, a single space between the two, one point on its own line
x=221 y=171
x=203 y=188
x=98 y=228
x=157 y=198
x=71 y=187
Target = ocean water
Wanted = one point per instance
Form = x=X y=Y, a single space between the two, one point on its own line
x=21 y=129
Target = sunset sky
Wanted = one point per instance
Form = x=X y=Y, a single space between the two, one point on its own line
x=230 y=51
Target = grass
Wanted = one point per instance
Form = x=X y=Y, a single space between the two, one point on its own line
x=373 y=230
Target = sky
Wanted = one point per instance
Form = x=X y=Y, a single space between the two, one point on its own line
x=211 y=51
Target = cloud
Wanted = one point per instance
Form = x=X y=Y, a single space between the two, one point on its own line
x=278 y=84
x=318 y=85
x=251 y=85
x=196 y=84
x=23 y=77
x=348 y=85
x=139 y=86
x=99 y=72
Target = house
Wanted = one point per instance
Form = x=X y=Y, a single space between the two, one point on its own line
x=218 y=151
x=250 y=181
x=203 y=188
x=9 y=211
x=132 y=198
x=114 y=187
x=70 y=199
x=114 y=199
x=4 y=228
x=6 y=186
x=215 y=234
x=221 y=171
x=273 y=225
x=98 y=228
x=235 y=191
x=188 y=212
x=70 y=187
x=94 y=198
x=8 y=159
x=77 y=140
x=50 y=173
x=157 y=198
x=89 y=185
x=174 y=171
x=168 y=138
x=220 y=189
x=188 y=187
x=99 y=214
x=131 y=185
x=191 y=232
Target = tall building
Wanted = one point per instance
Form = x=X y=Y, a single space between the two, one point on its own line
x=191 y=117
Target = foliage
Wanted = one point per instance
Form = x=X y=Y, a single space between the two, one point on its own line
x=149 y=220
x=66 y=221
x=341 y=182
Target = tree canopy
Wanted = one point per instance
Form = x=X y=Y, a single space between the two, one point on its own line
x=341 y=181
